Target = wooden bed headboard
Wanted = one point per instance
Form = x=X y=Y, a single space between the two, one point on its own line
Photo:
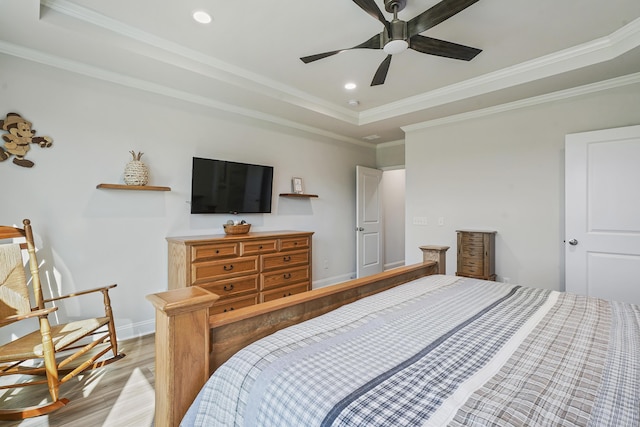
x=191 y=344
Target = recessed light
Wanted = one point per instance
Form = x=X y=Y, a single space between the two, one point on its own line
x=350 y=86
x=371 y=137
x=202 y=17
x=353 y=102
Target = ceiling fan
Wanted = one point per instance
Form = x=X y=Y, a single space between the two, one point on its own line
x=399 y=35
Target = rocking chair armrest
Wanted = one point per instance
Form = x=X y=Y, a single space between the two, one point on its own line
x=35 y=313
x=75 y=294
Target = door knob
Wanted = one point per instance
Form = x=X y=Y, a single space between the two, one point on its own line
x=573 y=242
x=359 y=229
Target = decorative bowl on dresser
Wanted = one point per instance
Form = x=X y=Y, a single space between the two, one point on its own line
x=476 y=254
x=243 y=269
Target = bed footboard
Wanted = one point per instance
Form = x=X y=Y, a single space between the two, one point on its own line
x=190 y=344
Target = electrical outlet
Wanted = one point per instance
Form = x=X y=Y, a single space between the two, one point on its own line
x=441 y=221
x=506 y=280
x=326 y=264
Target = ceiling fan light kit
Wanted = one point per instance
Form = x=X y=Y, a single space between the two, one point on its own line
x=398 y=35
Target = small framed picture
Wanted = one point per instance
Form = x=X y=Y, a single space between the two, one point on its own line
x=296 y=185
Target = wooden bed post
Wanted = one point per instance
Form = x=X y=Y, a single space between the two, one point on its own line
x=437 y=254
x=182 y=340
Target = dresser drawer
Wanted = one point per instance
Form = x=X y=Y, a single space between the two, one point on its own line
x=214 y=250
x=258 y=247
x=233 y=304
x=472 y=268
x=284 y=259
x=284 y=277
x=221 y=269
x=472 y=252
x=290 y=243
x=473 y=239
x=236 y=286
x=284 y=292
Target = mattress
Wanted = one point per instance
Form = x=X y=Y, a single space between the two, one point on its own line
x=440 y=350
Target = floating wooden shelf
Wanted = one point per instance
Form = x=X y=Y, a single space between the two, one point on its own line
x=133 y=187
x=298 y=195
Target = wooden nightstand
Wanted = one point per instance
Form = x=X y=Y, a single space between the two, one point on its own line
x=476 y=254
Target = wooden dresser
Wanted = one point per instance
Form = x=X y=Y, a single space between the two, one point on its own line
x=243 y=269
x=476 y=254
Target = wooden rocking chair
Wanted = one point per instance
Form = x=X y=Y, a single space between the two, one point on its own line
x=55 y=352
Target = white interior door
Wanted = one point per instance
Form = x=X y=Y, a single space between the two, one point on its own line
x=602 y=195
x=369 y=222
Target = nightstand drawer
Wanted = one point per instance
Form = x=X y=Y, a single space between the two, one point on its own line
x=472 y=269
x=473 y=239
x=472 y=253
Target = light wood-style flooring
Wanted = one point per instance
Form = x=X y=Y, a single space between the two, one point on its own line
x=120 y=394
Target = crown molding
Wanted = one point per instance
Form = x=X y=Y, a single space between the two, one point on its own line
x=590 y=53
x=529 y=102
x=215 y=68
x=390 y=144
x=134 y=83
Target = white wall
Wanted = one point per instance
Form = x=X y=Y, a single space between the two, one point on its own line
x=393 y=189
x=505 y=172
x=390 y=154
x=98 y=237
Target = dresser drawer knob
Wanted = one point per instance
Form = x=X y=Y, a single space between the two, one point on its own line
x=286 y=295
x=287 y=276
x=228 y=309
x=228 y=267
x=228 y=287
x=286 y=258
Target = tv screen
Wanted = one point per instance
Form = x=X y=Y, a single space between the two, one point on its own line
x=219 y=186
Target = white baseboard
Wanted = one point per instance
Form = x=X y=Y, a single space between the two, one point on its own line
x=332 y=280
x=135 y=330
x=393 y=265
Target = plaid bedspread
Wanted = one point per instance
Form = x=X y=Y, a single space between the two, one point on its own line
x=439 y=351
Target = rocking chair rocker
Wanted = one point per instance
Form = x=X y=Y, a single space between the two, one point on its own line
x=52 y=354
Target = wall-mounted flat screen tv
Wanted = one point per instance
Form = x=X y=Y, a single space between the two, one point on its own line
x=219 y=186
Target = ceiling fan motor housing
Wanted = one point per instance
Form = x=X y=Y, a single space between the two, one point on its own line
x=394 y=5
x=397 y=39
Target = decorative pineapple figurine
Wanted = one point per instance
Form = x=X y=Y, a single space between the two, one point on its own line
x=136 y=172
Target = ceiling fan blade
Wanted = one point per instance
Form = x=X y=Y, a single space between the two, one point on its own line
x=437 y=47
x=436 y=14
x=374 y=42
x=381 y=73
x=372 y=9
x=311 y=58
